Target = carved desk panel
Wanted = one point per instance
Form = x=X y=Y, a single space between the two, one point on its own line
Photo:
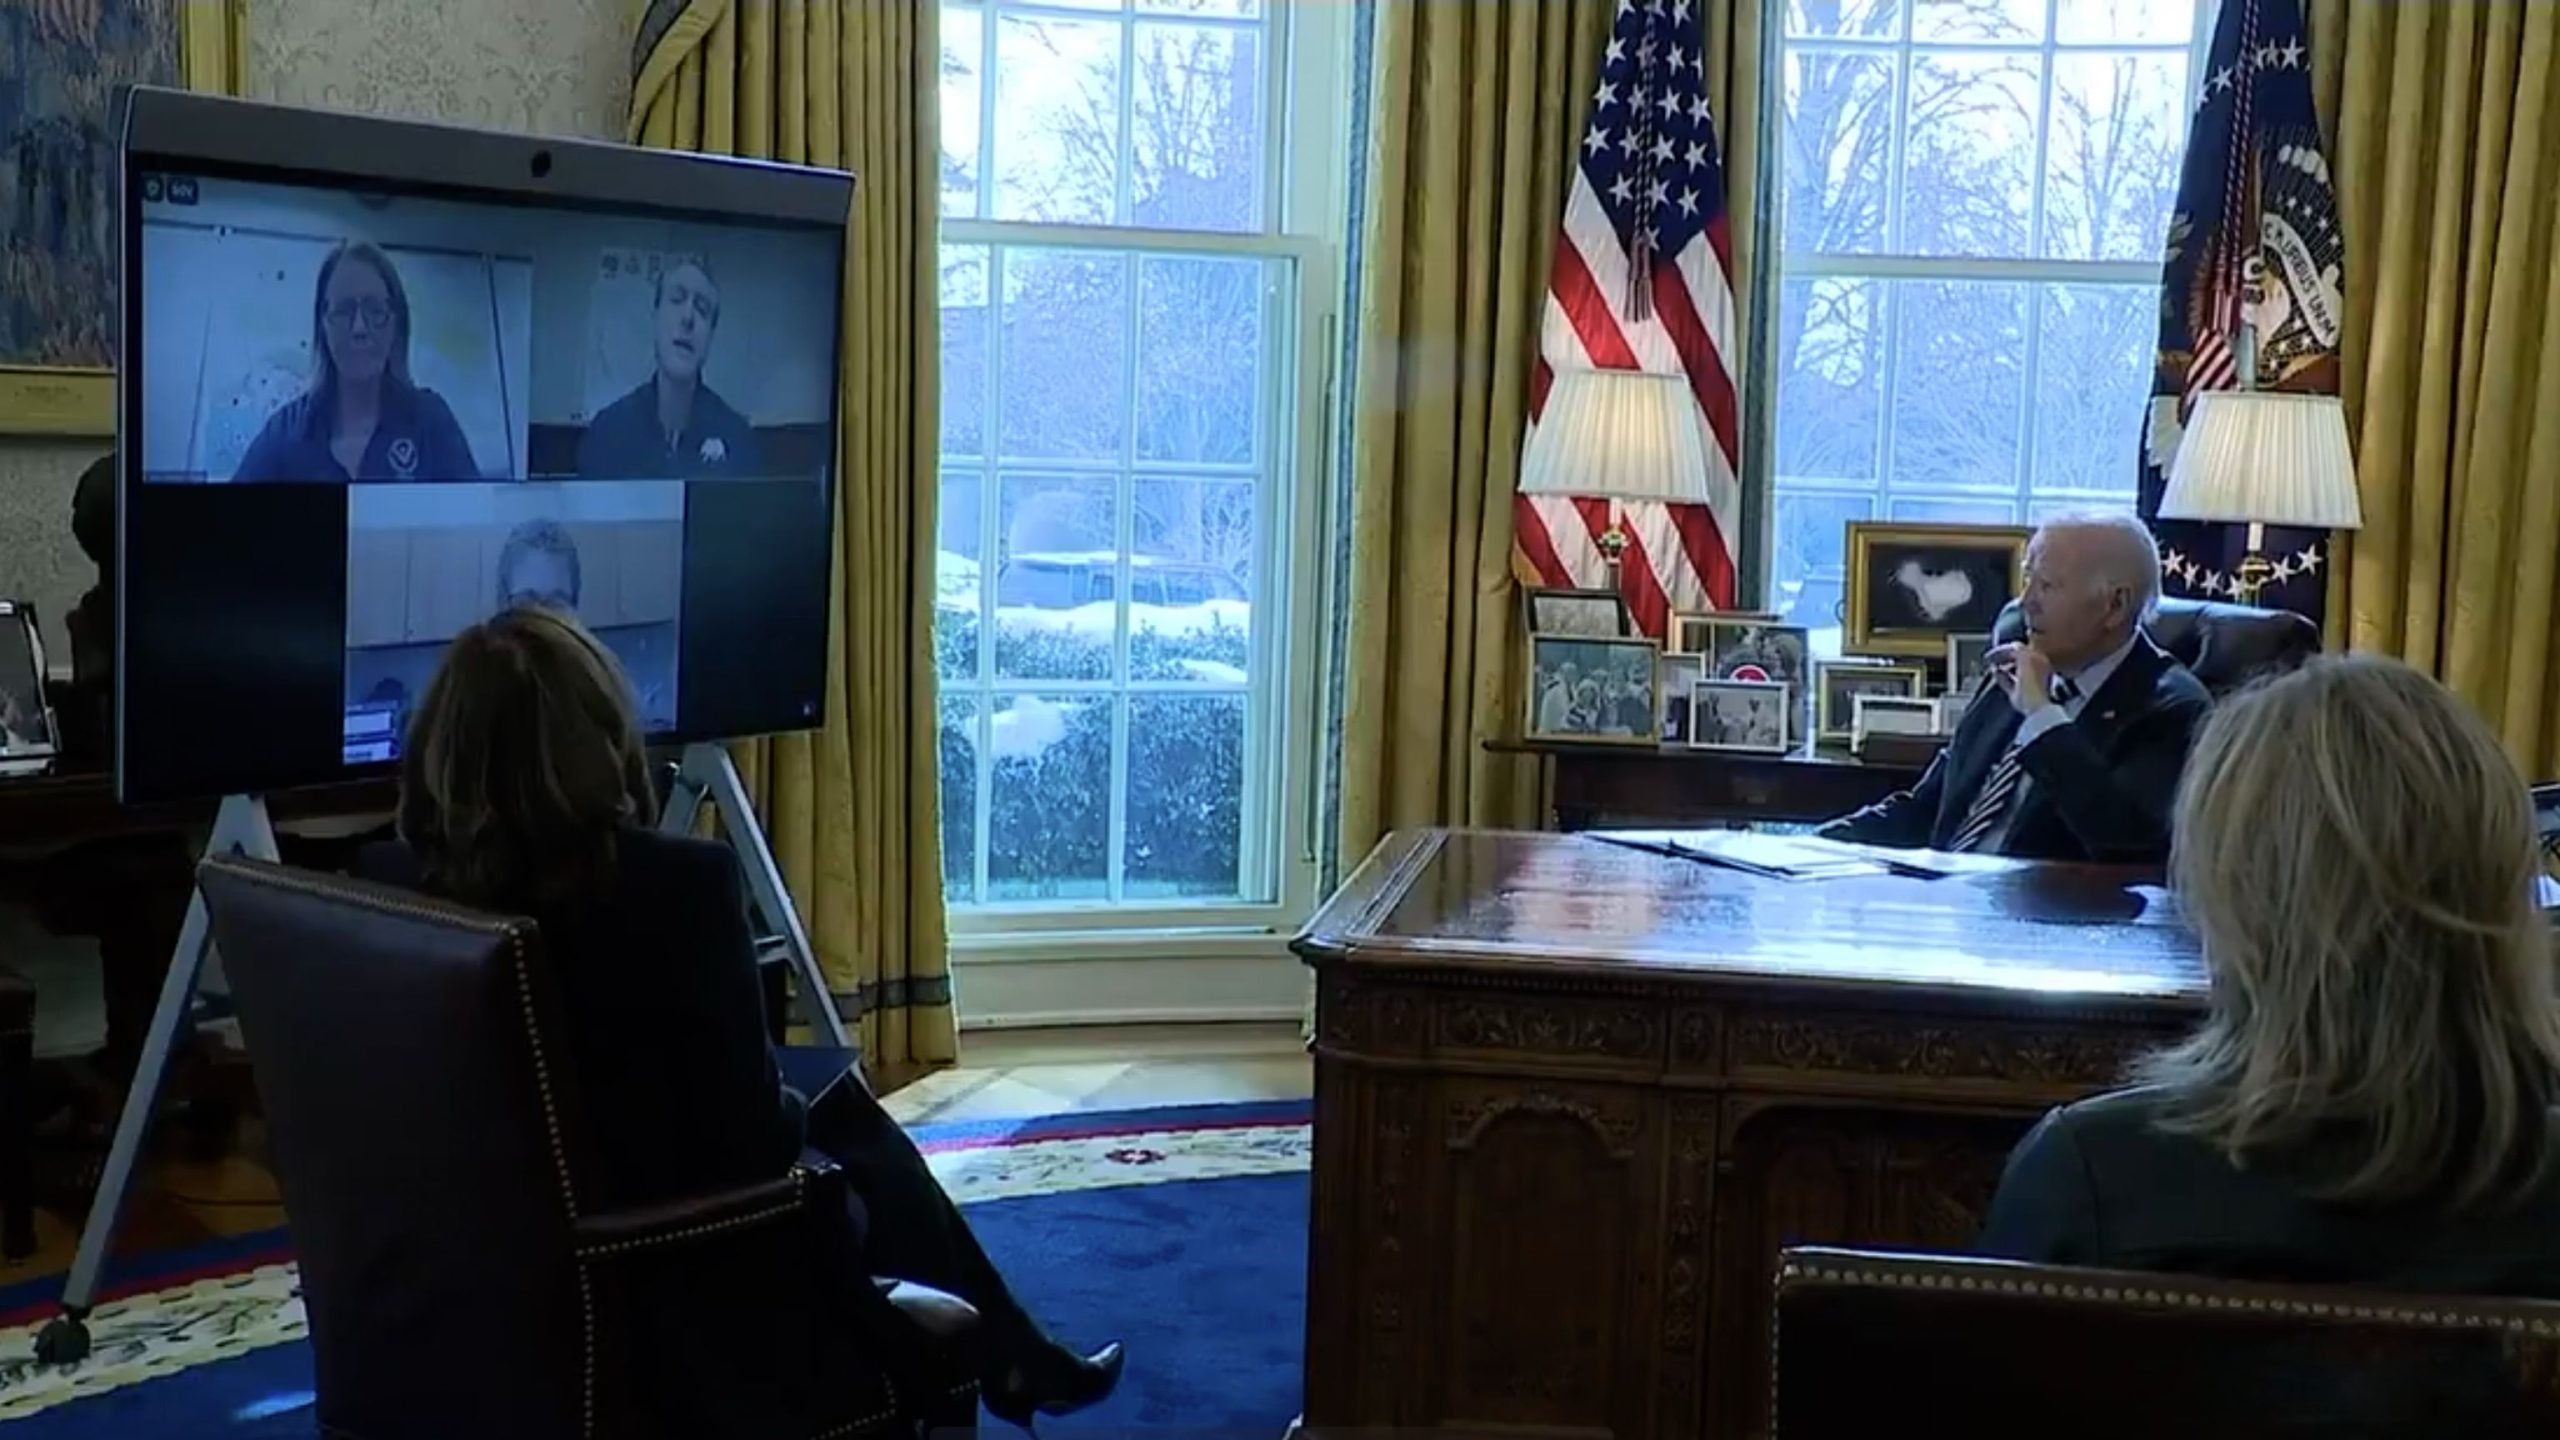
x=1571 y=1099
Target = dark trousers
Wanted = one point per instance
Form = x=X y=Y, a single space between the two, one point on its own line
x=913 y=1232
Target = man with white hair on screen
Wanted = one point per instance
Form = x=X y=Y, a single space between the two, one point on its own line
x=2074 y=752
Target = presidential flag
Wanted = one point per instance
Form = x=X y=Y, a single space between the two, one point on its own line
x=2255 y=238
x=1643 y=280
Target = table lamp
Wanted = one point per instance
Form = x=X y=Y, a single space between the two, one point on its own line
x=2261 y=458
x=1618 y=435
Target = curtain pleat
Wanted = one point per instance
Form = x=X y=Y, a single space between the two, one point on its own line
x=2445 y=124
x=852 y=810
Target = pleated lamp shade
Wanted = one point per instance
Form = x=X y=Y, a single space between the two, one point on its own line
x=2264 y=458
x=1620 y=434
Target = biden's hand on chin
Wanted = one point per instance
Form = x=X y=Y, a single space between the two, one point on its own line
x=2024 y=675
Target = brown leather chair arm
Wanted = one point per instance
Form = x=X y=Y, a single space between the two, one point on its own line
x=696 y=1217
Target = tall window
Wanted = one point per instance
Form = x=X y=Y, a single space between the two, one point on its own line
x=1120 y=511
x=1977 y=193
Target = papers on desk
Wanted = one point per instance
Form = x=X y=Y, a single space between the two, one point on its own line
x=1798 y=857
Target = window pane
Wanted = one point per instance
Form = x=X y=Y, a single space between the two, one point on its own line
x=1845 y=19
x=1830 y=378
x=1839 y=137
x=1057 y=149
x=2124 y=22
x=2016 y=21
x=1806 y=570
x=2112 y=159
x=964 y=349
x=1049 y=798
x=1195 y=132
x=1240 y=9
x=1186 y=797
x=1966 y=187
x=1969 y=510
x=2093 y=383
x=959 y=734
x=1065 y=336
x=1199 y=359
x=956 y=575
x=1057 y=587
x=1958 y=385
x=1191 y=580
x=964 y=31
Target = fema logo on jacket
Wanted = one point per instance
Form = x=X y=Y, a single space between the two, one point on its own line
x=2254 y=236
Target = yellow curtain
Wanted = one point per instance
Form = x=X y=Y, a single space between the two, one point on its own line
x=1476 y=120
x=852 y=810
x=2444 y=121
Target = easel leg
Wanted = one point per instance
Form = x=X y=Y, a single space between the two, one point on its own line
x=707 y=772
x=239 y=827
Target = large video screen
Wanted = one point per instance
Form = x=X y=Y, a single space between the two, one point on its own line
x=366 y=420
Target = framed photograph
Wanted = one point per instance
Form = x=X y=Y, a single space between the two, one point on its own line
x=1951 y=710
x=27 y=735
x=1690 y=633
x=1589 y=614
x=58 y=125
x=1892 y=715
x=1595 y=691
x=1744 y=715
x=1839 y=683
x=1912 y=586
x=1678 y=674
x=1967 y=663
x=1752 y=647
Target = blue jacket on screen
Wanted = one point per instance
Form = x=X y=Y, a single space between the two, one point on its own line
x=625 y=441
x=416 y=438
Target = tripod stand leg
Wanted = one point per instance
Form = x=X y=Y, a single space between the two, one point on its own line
x=709 y=773
x=239 y=827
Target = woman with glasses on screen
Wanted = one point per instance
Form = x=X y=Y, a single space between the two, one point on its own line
x=524 y=788
x=362 y=418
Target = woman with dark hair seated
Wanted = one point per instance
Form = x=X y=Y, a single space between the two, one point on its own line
x=524 y=788
x=2371 y=1097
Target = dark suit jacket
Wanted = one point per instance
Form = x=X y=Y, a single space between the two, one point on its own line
x=666 y=1021
x=2101 y=787
x=2098 y=1184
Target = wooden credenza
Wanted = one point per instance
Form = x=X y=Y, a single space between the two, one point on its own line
x=1571 y=1099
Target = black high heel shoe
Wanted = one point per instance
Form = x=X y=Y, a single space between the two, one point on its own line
x=1053 y=1381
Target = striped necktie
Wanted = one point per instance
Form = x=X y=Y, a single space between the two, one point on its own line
x=1992 y=800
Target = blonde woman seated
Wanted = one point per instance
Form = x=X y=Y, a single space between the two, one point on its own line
x=2371 y=1096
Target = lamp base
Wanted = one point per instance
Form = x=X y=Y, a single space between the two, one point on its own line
x=1612 y=545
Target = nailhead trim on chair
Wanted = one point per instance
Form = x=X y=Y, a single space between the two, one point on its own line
x=2120 y=1294
x=710 y=1227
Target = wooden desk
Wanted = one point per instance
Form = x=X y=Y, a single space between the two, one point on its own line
x=1571 y=1099
x=1595 y=786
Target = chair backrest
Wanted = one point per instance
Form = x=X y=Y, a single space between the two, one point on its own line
x=1875 y=1344
x=419 y=1130
x=2225 y=646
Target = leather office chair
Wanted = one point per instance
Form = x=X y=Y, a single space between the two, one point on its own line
x=1872 y=1344
x=427 y=1135
x=2226 y=646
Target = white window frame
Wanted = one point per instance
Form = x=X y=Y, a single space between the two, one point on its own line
x=1307 y=62
x=2032 y=271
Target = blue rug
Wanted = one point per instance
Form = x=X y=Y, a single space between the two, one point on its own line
x=1181 y=1234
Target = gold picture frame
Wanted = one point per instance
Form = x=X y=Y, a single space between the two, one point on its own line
x=79 y=400
x=1831 y=722
x=1981 y=556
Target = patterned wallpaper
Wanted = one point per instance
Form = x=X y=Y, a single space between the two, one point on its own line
x=553 y=67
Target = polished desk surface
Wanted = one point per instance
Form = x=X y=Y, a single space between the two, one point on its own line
x=1443 y=897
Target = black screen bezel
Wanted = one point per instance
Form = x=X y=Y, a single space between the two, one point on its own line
x=215 y=137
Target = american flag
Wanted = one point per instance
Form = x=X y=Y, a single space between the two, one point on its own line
x=1643 y=280
x=2253 y=237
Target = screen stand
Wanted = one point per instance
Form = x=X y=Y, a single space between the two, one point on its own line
x=239 y=828
x=707 y=773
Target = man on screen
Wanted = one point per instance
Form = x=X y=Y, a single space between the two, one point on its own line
x=673 y=426
x=539 y=566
